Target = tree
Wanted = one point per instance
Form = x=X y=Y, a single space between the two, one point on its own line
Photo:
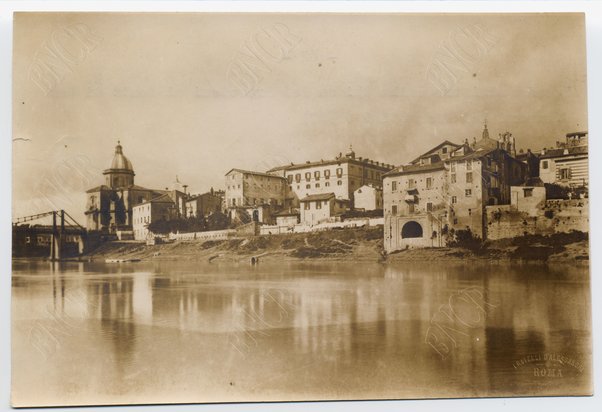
x=218 y=221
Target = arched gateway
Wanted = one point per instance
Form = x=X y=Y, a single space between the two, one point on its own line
x=411 y=229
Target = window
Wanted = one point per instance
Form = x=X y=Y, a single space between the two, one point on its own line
x=410 y=207
x=468 y=192
x=444 y=150
x=290 y=179
x=306 y=205
x=411 y=183
x=327 y=184
x=429 y=207
x=339 y=172
x=298 y=186
x=493 y=182
x=298 y=177
x=327 y=173
x=317 y=184
x=317 y=174
x=453 y=166
x=453 y=178
x=307 y=176
x=339 y=183
x=469 y=177
x=544 y=164
x=528 y=192
x=308 y=186
x=429 y=182
x=239 y=186
x=318 y=205
x=454 y=200
x=393 y=186
x=565 y=174
x=394 y=210
x=469 y=165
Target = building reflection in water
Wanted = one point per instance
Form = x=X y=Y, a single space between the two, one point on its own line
x=372 y=324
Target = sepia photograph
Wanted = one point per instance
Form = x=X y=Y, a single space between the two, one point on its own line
x=275 y=207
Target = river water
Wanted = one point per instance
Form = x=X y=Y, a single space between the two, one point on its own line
x=181 y=331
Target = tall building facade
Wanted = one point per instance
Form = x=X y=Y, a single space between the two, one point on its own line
x=446 y=190
x=254 y=196
x=341 y=176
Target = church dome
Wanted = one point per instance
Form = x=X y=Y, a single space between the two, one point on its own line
x=121 y=162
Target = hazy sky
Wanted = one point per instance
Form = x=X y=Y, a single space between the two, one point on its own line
x=173 y=89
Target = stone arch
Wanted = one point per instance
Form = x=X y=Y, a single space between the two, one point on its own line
x=411 y=229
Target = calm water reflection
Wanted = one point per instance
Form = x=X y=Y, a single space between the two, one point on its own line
x=187 y=332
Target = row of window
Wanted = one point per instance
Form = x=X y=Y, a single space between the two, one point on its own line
x=563 y=173
x=144 y=219
x=429 y=205
x=251 y=201
x=317 y=174
x=411 y=184
x=468 y=177
x=268 y=186
x=317 y=185
x=452 y=165
x=319 y=203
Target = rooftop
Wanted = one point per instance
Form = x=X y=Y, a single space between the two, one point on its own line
x=250 y=172
x=338 y=160
x=434 y=149
x=321 y=196
x=409 y=169
x=164 y=198
x=568 y=151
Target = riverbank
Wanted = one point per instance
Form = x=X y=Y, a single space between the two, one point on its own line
x=357 y=244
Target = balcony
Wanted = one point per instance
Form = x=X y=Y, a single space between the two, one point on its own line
x=411 y=198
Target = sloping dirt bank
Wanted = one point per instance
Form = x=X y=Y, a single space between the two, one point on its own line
x=363 y=244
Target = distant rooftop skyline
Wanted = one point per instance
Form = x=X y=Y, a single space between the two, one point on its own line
x=185 y=96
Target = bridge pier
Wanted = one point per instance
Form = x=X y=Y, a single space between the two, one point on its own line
x=56 y=241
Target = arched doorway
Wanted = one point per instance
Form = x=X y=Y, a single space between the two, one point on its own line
x=411 y=229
